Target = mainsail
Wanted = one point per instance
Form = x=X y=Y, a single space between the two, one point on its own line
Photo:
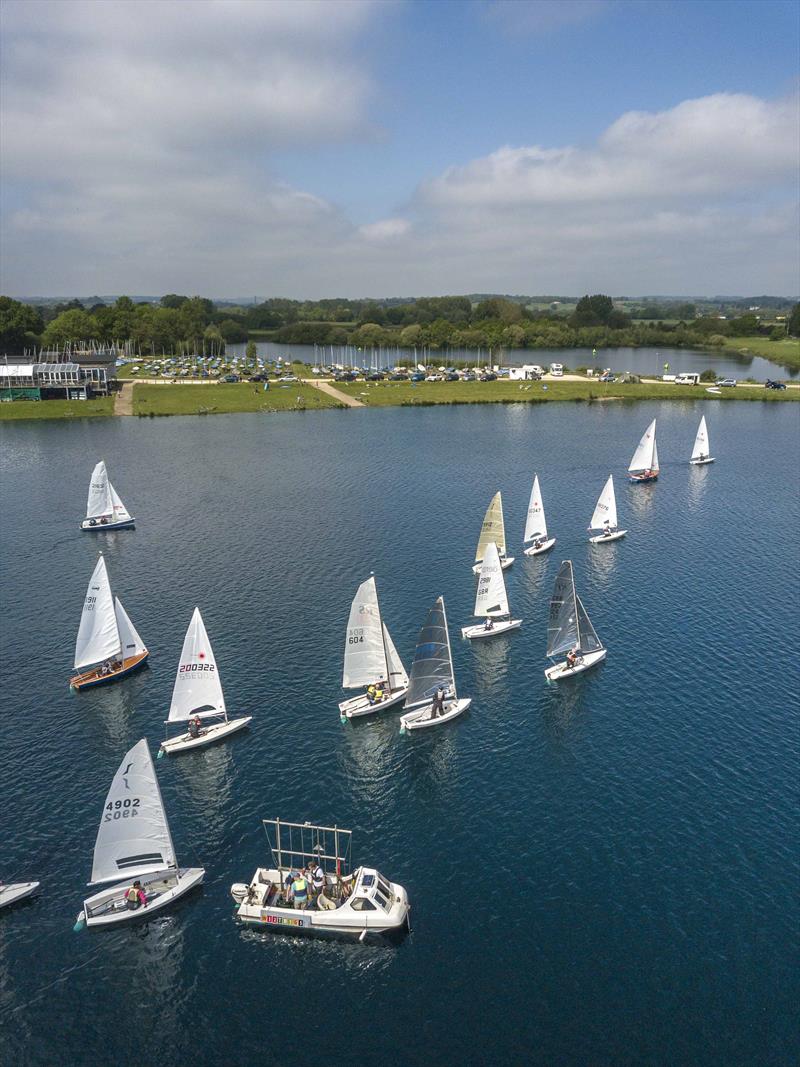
x=197 y=690
x=132 y=644
x=535 y=525
x=645 y=458
x=100 y=501
x=606 y=507
x=98 y=633
x=491 y=598
x=398 y=679
x=364 y=649
x=133 y=838
x=562 y=622
x=701 y=446
x=493 y=528
x=433 y=664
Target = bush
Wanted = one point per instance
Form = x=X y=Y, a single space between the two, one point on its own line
x=708 y=376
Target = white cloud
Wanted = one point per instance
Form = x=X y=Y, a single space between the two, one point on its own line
x=385 y=229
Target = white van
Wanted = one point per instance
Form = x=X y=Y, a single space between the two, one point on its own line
x=557 y=370
x=687 y=379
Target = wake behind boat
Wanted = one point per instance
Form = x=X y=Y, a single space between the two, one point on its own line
x=535 y=524
x=13 y=892
x=370 y=658
x=604 y=517
x=644 y=465
x=491 y=600
x=493 y=528
x=700 y=452
x=197 y=695
x=104 y=509
x=569 y=630
x=432 y=684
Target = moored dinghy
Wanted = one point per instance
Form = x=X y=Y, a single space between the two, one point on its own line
x=370 y=658
x=493 y=528
x=197 y=695
x=13 y=892
x=431 y=671
x=700 y=452
x=569 y=630
x=491 y=600
x=604 y=517
x=104 y=509
x=107 y=641
x=644 y=465
x=134 y=847
x=535 y=524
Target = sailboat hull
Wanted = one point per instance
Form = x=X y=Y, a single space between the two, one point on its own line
x=211 y=734
x=505 y=563
x=10 y=894
x=701 y=462
x=360 y=705
x=585 y=663
x=90 y=679
x=109 y=907
x=500 y=627
x=98 y=526
x=542 y=548
x=601 y=539
x=642 y=479
x=422 y=717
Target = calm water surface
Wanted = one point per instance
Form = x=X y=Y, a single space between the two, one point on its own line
x=604 y=872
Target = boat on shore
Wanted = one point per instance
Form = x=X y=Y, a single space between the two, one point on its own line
x=604 y=516
x=569 y=630
x=493 y=528
x=700 y=452
x=536 y=525
x=644 y=464
x=431 y=675
x=104 y=509
x=491 y=600
x=371 y=661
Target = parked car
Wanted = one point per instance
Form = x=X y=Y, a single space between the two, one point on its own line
x=769 y=384
x=434 y=378
x=418 y=377
x=398 y=377
x=489 y=376
x=726 y=381
x=375 y=376
x=257 y=378
x=607 y=377
x=469 y=378
x=290 y=378
x=231 y=378
x=452 y=377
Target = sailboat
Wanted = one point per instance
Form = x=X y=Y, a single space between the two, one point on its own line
x=370 y=658
x=604 y=517
x=108 y=644
x=535 y=524
x=569 y=630
x=701 y=447
x=493 y=528
x=644 y=465
x=104 y=509
x=134 y=845
x=491 y=600
x=14 y=891
x=432 y=669
x=197 y=694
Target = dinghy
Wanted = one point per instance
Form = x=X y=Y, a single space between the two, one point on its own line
x=569 y=630
x=493 y=528
x=134 y=845
x=370 y=658
x=701 y=447
x=107 y=643
x=604 y=517
x=104 y=509
x=491 y=600
x=535 y=524
x=644 y=465
x=345 y=904
x=16 y=891
x=197 y=695
x=431 y=670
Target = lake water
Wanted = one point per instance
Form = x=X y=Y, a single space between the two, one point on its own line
x=604 y=872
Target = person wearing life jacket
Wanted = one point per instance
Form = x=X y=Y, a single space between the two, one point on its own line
x=378 y=693
x=572 y=657
x=300 y=892
x=135 y=897
x=317 y=879
x=371 y=691
x=194 y=727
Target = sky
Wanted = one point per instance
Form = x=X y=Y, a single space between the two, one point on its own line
x=372 y=148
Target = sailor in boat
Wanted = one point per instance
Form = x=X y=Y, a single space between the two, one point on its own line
x=194 y=727
x=317 y=880
x=300 y=892
x=537 y=544
x=572 y=657
x=489 y=624
x=136 y=898
x=437 y=705
x=607 y=529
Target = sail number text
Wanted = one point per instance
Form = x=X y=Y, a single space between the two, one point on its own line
x=121 y=809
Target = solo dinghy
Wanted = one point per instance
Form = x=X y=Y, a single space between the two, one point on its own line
x=644 y=465
x=535 y=524
x=604 y=517
x=134 y=847
x=432 y=672
x=569 y=630
x=701 y=447
x=493 y=528
x=104 y=509
x=108 y=644
x=370 y=658
x=15 y=891
x=491 y=600
x=197 y=695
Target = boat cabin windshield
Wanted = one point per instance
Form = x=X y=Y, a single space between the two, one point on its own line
x=371 y=889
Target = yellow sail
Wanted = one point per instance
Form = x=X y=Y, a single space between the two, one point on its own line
x=493 y=528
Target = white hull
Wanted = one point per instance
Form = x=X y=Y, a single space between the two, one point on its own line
x=97 y=525
x=602 y=539
x=701 y=462
x=539 y=551
x=421 y=718
x=500 y=627
x=357 y=706
x=210 y=734
x=10 y=894
x=109 y=907
x=505 y=563
x=561 y=670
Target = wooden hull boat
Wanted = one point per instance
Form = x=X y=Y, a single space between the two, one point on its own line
x=643 y=478
x=209 y=735
x=94 y=677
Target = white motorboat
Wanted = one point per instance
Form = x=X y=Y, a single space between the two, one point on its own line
x=431 y=672
x=644 y=465
x=13 y=892
x=108 y=647
x=134 y=847
x=104 y=509
x=197 y=696
x=569 y=630
x=493 y=528
x=700 y=452
x=536 y=525
x=491 y=600
x=604 y=517
x=345 y=904
x=370 y=658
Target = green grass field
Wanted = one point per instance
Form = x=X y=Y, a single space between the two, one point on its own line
x=786 y=353
x=57 y=409
x=221 y=399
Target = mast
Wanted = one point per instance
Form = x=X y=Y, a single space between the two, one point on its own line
x=388 y=675
x=575 y=606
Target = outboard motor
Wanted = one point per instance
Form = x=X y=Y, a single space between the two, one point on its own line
x=239 y=892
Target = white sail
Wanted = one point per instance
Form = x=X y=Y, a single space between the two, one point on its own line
x=364 y=650
x=133 y=838
x=535 y=525
x=606 y=507
x=398 y=679
x=98 y=635
x=433 y=663
x=197 y=689
x=99 y=502
x=132 y=644
x=493 y=528
x=121 y=513
x=491 y=598
x=701 y=446
x=645 y=457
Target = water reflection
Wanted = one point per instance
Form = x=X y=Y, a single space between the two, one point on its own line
x=490 y=665
x=563 y=703
x=698 y=484
x=368 y=756
x=114 y=706
x=374 y=955
x=603 y=561
x=641 y=498
x=206 y=776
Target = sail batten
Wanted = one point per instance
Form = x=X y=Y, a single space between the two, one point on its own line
x=646 y=455
x=535 y=524
x=606 y=507
x=493 y=528
x=491 y=597
x=198 y=688
x=433 y=664
x=98 y=634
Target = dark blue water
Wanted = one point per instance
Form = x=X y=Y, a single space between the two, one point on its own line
x=601 y=873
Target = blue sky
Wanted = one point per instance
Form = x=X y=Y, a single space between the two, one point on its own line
x=309 y=149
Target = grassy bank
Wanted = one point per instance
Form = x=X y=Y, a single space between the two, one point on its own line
x=786 y=352
x=57 y=409
x=220 y=399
